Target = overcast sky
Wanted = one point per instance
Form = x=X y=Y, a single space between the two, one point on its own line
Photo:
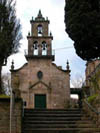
x=63 y=45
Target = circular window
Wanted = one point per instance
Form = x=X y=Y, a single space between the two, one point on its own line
x=40 y=75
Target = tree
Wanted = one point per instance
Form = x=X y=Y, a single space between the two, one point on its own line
x=78 y=81
x=82 y=20
x=10 y=31
x=6 y=80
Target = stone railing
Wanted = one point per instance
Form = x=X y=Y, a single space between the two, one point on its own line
x=92 y=112
x=43 y=54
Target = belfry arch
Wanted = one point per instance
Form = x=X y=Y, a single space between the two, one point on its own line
x=44 y=48
x=35 y=48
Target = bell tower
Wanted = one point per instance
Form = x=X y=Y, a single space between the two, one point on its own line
x=40 y=40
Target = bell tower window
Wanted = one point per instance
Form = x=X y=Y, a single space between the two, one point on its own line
x=35 y=47
x=44 y=48
x=40 y=30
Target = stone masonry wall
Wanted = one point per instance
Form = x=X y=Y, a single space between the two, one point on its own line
x=5 y=116
x=55 y=83
x=95 y=117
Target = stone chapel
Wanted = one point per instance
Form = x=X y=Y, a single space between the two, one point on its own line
x=40 y=83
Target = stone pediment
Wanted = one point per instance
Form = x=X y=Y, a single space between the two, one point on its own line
x=40 y=84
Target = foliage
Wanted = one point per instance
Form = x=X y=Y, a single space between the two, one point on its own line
x=10 y=31
x=4 y=96
x=82 y=20
x=6 y=80
x=92 y=98
x=10 y=34
x=94 y=84
x=95 y=81
x=77 y=81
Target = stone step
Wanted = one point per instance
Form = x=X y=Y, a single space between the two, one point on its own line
x=70 y=109
x=85 y=125
x=32 y=126
x=91 y=130
x=68 y=121
x=52 y=118
x=57 y=122
x=52 y=129
x=53 y=125
x=52 y=111
x=49 y=122
x=53 y=115
x=84 y=122
x=86 y=118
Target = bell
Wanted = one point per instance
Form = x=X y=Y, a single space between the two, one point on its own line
x=40 y=32
x=35 y=47
x=43 y=48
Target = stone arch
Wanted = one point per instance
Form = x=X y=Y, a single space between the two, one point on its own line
x=35 y=48
x=44 y=48
x=40 y=30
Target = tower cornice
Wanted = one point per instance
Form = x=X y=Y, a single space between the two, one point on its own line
x=51 y=57
x=40 y=37
x=39 y=21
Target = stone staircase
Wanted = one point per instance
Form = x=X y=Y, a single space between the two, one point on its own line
x=57 y=121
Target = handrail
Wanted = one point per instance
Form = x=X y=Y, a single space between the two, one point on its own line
x=91 y=107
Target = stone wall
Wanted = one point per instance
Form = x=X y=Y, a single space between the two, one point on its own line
x=95 y=117
x=5 y=116
x=90 y=68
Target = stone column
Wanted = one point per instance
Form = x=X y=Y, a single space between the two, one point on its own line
x=40 y=49
x=49 y=49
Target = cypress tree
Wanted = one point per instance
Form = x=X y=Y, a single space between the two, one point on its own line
x=82 y=21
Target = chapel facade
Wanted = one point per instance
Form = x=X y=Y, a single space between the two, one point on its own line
x=39 y=82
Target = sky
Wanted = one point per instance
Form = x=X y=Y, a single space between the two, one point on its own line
x=62 y=44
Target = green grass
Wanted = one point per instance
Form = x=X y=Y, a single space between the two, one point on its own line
x=4 y=96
